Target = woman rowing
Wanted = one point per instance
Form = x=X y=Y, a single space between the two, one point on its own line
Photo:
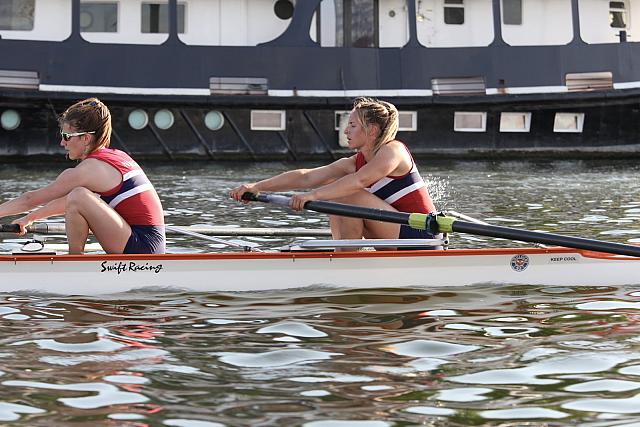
x=106 y=193
x=381 y=175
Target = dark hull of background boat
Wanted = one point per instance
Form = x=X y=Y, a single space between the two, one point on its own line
x=611 y=128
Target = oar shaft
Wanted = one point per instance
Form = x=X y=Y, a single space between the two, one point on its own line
x=546 y=238
x=58 y=228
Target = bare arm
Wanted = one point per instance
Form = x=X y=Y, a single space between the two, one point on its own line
x=383 y=164
x=90 y=173
x=299 y=178
x=387 y=161
x=64 y=183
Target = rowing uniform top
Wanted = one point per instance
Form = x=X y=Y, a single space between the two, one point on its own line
x=134 y=198
x=406 y=193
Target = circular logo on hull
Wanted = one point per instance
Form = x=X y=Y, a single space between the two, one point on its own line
x=519 y=262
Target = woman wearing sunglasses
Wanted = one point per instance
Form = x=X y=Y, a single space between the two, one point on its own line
x=106 y=193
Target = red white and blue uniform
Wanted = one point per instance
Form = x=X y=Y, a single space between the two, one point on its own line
x=136 y=201
x=406 y=193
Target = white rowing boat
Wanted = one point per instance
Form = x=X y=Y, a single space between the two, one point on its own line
x=315 y=263
x=249 y=271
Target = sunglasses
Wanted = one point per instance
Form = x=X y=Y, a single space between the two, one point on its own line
x=68 y=135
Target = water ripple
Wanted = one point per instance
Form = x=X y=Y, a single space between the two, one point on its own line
x=107 y=394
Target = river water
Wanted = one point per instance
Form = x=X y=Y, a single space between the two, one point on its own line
x=319 y=357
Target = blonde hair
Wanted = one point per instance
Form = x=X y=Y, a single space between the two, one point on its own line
x=371 y=111
x=90 y=115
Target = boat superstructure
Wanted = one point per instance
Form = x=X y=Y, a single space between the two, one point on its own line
x=256 y=79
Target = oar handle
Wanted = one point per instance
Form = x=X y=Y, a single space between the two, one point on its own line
x=9 y=228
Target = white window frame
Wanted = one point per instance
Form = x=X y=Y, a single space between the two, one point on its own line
x=283 y=120
x=527 y=121
x=483 y=114
x=579 y=123
x=414 y=121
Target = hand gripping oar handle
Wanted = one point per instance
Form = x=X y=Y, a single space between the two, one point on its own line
x=437 y=223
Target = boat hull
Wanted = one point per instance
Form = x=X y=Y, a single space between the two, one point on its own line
x=108 y=274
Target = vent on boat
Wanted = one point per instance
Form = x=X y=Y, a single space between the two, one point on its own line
x=459 y=86
x=582 y=82
x=268 y=119
x=238 y=86
x=19 y=79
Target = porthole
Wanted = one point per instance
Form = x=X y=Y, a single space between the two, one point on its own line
x=283 y=9
x=214 y=120
x=163 y=119
x=138 y=119
x=10 y=119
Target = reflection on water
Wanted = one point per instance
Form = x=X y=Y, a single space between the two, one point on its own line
x=314 y=356
x=482 y=355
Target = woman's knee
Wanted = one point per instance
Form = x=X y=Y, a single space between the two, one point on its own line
x=77 y=196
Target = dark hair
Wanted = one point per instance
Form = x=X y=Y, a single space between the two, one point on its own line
x=384 y=114
x=90 y=115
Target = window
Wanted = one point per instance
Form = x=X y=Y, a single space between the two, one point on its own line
x=467 y=121
x=512 y=12
x=362 y=23
x=99 y=17
x=17 y=15
x=155 y=18
x=617 y=14
x=268 y=120
x=568 y=122
x=454 y=12
x=407 y=121
x=515 y=122
x=459 y=86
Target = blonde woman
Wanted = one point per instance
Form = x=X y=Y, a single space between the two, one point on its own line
x=381 y=175
x=106 y=193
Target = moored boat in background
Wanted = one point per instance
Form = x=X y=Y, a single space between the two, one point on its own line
x=263 y=79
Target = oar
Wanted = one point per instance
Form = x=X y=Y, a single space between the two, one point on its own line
x=247 y=246
x=58 y=228
x=438 y=223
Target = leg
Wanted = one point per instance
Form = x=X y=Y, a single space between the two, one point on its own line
x=357 y=228
x=85 y=211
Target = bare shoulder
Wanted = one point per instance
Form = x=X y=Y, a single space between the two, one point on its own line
x=97 y=175
x=396 y=147
x=395 y=156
